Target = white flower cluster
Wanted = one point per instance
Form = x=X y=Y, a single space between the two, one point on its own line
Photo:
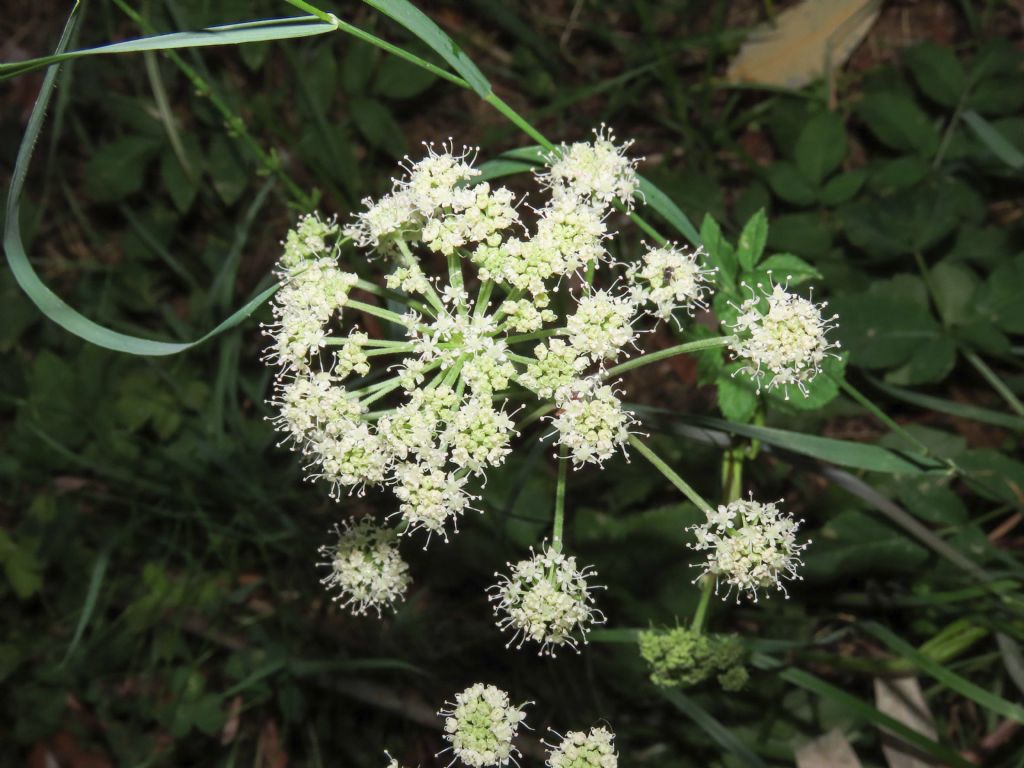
x=366 y=568
x=750 y=546
x=785 y=343
x=593 y=749
x=420 y=406
x=545 y=599
x=481 y=725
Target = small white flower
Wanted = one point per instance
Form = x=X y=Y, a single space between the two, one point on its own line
x=489 y=370
x=546 y=600
x=430 y=497
x=479 y=435
x=481 y=725
x=366 y=568
x=312 y=406
x=432 y=182
x=601 y=325
x=528 y=315
x=750 y=546
x=591 y=422
x=355 y=456
x=394 y=215
x=594 y=749
x=599 y=169
x=786 y=344
x=351 y=358
x=556 y=366
x=670 y=278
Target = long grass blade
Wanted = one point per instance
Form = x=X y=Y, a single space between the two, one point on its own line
x=725 y=738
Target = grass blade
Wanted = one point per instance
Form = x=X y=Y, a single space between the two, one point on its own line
x=46 y=300
x=950 y=679
x=816 y=685
x=414 y=20
x=713 y=728
x=92 y=594
x=229 y=34
x=844 y=453
x=998 y=144
x=961 y=410
x=669 y=211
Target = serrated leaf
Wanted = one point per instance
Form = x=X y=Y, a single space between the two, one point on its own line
x=881 y=328
x=376 y=124
x=843 y=186
x=937 y=72
x=750 y=245
x=898 y=122
x=821 y=147
x=737 y=394
x=999 y=299
x=804 y=233
x=782 y=267
x=227 y=174
x=788 y=183
x=118 y=169
x=930 y=362
x=720 y=253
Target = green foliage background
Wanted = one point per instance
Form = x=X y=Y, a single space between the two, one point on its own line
x=160 y=599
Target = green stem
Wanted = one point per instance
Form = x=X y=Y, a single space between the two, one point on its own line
x=383 y=314
x=456 y=280
x=338 y=341
x=484 y=296
x=997 y=383
x=410 y=261
x=670 y=475
x=535 y=415
x=534 y=335
x=401 y=298
x=679 y=349
x=707 y=588
x=559 y=524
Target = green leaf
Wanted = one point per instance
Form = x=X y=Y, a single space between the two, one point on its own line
x=669 y=211
x=720 y=253
x=117 y=169
x=843 y=186
x=397 y=79
x=899 y=123
x=856 y=544
x=21 y=566
x=788 y=183
x=937 y=73
x=953 y=287
x=881 y=328
x=807 y=234
x=750 y=246
x=357 y=69
x=960 y=410
x=930 y=362
x=997 y=144
x=378 y=127
x=821 y=390
x=320 y=75
x=999 y=299
x=737 y=395
x=930 y=499
x=413 y=19
x=901 y=173
x=182 y=185
x=782 y=267
x=821 y=147
x=227 y=174
x=841 y=452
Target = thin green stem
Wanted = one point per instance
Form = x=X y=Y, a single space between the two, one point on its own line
x=559 y=524
x=410 y=261
x=455 y=279
x=670 y=475
x=707 y=588
x=337 y=341
x=997 y=383
x=522 y=337
x=663 y=354
x=535 y=415
x=482 y=298
x=387 y=293
x=383 y=314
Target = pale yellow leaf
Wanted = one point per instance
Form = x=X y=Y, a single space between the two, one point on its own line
x=902 y=699
x=829 y=751
x=803 y=43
